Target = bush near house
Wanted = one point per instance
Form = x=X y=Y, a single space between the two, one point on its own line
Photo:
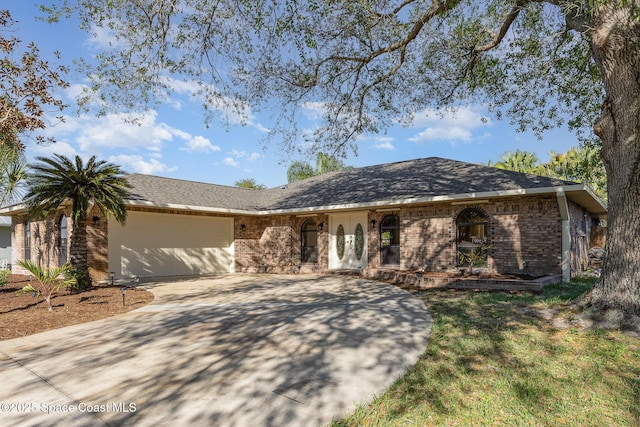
x=4 y=276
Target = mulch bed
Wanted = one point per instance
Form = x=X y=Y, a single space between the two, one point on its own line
x=25 y=315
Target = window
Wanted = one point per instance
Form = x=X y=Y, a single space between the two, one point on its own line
x=390 y=240
x=309 y=242
x=472 y=237
x=359 y=237
x=27 y=240
x=62 y=241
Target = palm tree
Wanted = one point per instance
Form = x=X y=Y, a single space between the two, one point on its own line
x=55 y=181
x=324 y=163
x=48 y=280
x=13 y=169
x=519 y=161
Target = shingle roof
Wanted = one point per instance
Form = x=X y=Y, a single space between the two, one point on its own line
x=420 y=178
x=159 y=191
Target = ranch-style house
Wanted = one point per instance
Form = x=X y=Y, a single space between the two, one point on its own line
x=419 y=215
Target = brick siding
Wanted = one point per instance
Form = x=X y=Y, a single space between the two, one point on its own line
x=524 y=234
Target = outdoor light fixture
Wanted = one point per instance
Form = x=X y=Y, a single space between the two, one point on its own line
x=321 y=226
x=243 y=228
x=111 y=276
x=96 y=221
x=373 y=224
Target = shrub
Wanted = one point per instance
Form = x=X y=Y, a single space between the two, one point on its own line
x=4 y=276
x=82 y=279
x=49 y=280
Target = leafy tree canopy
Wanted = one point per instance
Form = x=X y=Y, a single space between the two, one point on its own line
x=249 y=183
x=580 y=164
x=28 y=86
x=324 y=163
x=368 y=64
x=365 y=64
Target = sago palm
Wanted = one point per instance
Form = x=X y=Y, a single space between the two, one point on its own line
x=55 y=181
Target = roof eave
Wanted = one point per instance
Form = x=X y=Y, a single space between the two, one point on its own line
x=581 y=193
x=447 y=198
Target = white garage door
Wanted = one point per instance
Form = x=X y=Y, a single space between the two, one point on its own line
x=154 y=245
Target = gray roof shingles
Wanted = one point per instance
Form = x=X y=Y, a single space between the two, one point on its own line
x=420 y=178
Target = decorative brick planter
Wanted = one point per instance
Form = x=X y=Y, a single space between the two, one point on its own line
x=425 y=281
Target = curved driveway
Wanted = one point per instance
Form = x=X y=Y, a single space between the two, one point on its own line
x=232 y=350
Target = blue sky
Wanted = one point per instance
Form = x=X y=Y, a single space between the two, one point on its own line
x=173 y=141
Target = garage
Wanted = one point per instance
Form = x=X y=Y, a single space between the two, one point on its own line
x=155 y=244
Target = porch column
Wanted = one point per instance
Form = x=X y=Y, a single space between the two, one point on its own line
x=566 y=236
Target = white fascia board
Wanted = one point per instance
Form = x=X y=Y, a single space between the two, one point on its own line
x=190 y=208
x=12 y=210
x=420 y=200
x=597 y=198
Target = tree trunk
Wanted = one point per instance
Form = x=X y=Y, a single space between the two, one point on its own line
x=615 y=44
x=78 y=250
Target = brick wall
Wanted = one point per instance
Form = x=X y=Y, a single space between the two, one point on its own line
x=97 y=245
x=264 y=245
x=272 y=244
x=44 y=242
x=523 y=234
x=427 y=237
x=45 y=238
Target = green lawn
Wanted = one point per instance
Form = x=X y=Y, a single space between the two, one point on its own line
x=494 y=359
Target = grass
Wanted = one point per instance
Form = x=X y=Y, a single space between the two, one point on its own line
x=496 y=359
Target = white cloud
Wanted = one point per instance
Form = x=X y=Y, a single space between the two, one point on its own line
x=235 y=112
x=113 y=131
x=455 y=126
x=383 y=143
x=140 y=131
x=199 y=144
x=230 y=162
x=254 y=156
x=136 y=163
x=61 y=147
x=237 y=153
x=103 y=38
x=314 y=110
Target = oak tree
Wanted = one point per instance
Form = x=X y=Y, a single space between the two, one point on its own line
x=367 y=64
x=28 y=87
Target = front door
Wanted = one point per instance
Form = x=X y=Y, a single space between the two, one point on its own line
x=348 y=241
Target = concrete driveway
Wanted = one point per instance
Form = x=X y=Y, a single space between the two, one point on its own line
x=232 y=350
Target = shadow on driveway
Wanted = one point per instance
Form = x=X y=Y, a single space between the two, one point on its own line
x=233 y=350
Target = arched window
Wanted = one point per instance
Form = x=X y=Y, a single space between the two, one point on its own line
x=472 y=239
x=27 y=240
x=309 y=242
x=62 y=241
x=390 y=240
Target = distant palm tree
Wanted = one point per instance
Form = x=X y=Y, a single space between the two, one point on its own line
x=55 y=181
x=324 y=163
x=13 y=170
x=519 y=161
